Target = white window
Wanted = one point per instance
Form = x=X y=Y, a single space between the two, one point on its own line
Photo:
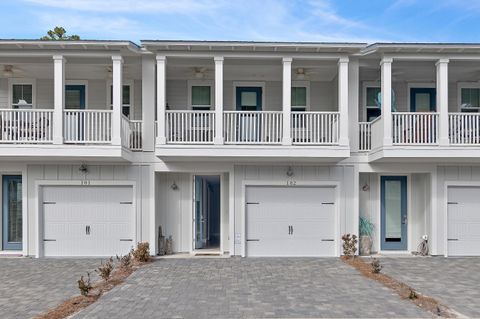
x=371 y=92
x=300 y=96
x=127 y=99
x=22 y=94
x=200 y=95
x=469 y=97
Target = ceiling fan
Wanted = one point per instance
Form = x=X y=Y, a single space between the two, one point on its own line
x=302 y=73
x=199 y=72
x=10 y=71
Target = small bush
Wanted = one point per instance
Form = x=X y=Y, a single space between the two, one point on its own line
x=412 y=295
x=349 y=245
x=142 y=252
x=376 y=266
x=105 y=270
x=125 y=261
x=84 y=285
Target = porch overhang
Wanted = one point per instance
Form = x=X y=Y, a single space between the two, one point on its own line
x=252 y=153
x=417 y=153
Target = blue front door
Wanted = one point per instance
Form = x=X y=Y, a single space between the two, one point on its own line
x=393 y=212
x=422 y=99
x=12 y=212
x=249 y=98
x=75 y=97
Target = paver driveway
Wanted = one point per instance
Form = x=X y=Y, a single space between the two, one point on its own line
x=251 y=287
x=29 y=287
x=453 y=281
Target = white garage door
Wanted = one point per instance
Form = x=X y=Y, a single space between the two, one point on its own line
x=290 y=221
x=463 y=236
x=88 y=220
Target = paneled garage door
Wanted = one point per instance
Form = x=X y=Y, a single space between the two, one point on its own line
x=463 y=234
x=87 y=220
x=290 y=221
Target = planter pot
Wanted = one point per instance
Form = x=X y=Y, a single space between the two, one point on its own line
x=365 y=245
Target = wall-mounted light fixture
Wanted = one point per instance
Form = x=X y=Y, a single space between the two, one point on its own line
x=290 y=172
x=174 y=186
x=366 y=187
x=83 y=169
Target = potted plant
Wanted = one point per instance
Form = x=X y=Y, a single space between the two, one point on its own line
x=366 y=232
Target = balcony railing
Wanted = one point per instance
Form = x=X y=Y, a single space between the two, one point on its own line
x=253 y=127
x=315 y=128
x=87 y=126
x=26 y=126
x=185 y=127
x=414 y=128
x=365 y=135
x=131 y=134
x=464 y=128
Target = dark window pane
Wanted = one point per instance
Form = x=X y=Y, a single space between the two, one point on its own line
x=372 y=94
x=201 y=95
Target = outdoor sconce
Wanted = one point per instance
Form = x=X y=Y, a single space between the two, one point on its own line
x=83 y=169
x=290 y=172
x=366 y=187
x=174 y=186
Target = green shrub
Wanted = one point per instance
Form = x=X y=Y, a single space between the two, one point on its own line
x=365 y=227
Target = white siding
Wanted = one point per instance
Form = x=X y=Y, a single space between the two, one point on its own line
x=137 y=173
x=3 y=93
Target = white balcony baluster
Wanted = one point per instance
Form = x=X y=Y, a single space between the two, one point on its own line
x=186 y=127
x=87 y=126
x=315 y=128
x=464 y=128
x=365 y=143
x=415 y=128
x=26 y=126
x=253 y=127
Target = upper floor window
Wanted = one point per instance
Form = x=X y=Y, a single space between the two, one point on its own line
x=200 y=95
x=22 y=96
x=373 y=108
x=470 y=99
x=126 y=99
x=300 y=96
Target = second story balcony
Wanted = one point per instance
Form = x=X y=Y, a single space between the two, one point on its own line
x=77 y=103
x=250 y=105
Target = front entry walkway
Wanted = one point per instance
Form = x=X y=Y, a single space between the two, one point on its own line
x=250 y=287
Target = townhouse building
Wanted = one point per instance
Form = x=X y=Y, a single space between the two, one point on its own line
x=239 y=148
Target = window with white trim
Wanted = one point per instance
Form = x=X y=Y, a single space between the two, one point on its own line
x=22 y=96
x=126 y=99
x=201 y=97
x=299 y=98
x=470 y=99
x=372 y=107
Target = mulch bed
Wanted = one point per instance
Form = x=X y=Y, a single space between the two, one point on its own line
x=75 y=304
x=403 y=290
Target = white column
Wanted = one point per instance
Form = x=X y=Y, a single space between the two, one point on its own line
x=117 y=88
x=353 y=105
x=442 y=100
x=58 y=97
x=161 y=98
x=386 y=87
x=218 y=100
x=343 y=100
x=148 y=103
x=287 y=100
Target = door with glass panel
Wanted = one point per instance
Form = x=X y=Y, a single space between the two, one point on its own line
x=394 y=213
x=249 y=100
x=75 y=100
x=12 y=212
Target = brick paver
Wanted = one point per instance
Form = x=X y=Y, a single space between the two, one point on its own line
x=453 y=281
x=247 y=288
x=29 y=287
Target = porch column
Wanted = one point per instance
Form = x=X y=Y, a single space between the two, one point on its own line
x=218 y=100
x=117 y=88
x=343 y=100
x=442 y=100
x=58 y=97
x=161 y=98
x=148 y=103
x=287 y=100
x=386 y=96
x=353 y=105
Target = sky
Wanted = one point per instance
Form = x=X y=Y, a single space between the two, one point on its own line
x=253 y=20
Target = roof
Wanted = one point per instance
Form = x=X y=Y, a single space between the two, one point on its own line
x=419 y=47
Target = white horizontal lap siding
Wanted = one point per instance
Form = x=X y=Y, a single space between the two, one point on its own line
x=343 y=176
x=3 y=93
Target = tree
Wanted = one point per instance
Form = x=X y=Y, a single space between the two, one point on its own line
x=59 y=33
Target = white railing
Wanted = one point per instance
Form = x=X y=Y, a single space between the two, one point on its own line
x=131 y=134
x=26 y=126
x=414 y=128
x=365 y=134
x=184 y=127
x=87 y=126
x=253 y=127
x=315 y=128
x=464 y=128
